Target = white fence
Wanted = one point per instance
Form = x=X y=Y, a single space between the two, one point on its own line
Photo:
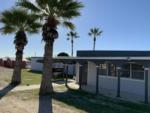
x=129 y=88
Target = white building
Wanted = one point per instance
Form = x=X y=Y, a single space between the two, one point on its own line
x=37 y=65
x=124 y=74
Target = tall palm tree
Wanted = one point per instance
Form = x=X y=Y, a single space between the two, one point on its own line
x=94 y=32
x=53 y=13
x=20 y=22
x=71 y=36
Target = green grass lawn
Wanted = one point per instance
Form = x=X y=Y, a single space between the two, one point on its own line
x=100 y=104
x=29 y=77
x=32 y=77
x=83 y=102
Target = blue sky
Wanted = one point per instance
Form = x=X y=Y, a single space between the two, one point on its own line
x=125 y=25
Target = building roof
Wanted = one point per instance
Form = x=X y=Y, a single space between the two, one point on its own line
x=103 y=56
x=110 y=53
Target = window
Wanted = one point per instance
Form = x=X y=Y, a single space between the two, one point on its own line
x=128 y=70
x=107 y=69
x=111 y=70
x=137 y=71
x=103 y=69
x=125 y=70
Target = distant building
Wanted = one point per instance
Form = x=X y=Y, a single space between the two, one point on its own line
x=37 y=65
x=9 y=62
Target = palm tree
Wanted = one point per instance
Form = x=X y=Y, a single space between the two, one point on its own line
x=94 y=32
x=53 y=13
x=71 y=36
x=18 y=21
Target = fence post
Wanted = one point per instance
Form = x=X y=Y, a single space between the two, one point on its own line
x=66 y=81
x=146 y=69
x=118 y=80
x=80 y=77
x=97 y=79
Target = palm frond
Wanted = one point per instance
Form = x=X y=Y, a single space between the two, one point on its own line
x=100 y=32
x=28 y=5
x=72 y=34
x=17 y=19
x=69 y=8
x=57 y=9
x=95 y=32
x=69 y=25
x=46 y=4
x=89 y=34
x=34 y=27
x=7 y=29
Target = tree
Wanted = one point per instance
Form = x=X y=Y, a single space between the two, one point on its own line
x=94 y=32
x=18 y=21
x=63 y=54
x=71 y=36
x=53 y=13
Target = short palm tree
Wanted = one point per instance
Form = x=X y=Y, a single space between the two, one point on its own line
x=20 y=22
x=71 y=36
x=53 y=13
x=94 y=32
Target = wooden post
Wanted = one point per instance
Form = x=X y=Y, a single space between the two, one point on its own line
x=146 y=84
x=80 y=77
x=118 y=81
x=97 y=80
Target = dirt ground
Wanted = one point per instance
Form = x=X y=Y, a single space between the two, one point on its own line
x=13 y=104
x=5 y=76
x=22 y=102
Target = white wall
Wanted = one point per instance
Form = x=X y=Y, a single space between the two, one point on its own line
x=77 y=72
x=132 y=89
x=91 y=78
x=129 y=88
x=108 y=85
x=36 y=66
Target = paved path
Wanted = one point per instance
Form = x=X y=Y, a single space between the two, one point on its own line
x=71 y=83
x=30 y=87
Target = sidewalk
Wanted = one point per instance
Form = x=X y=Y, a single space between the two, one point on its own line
x=71 y=83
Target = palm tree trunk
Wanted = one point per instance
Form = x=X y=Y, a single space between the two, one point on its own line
x=16 y=78
x=46 y=83
x=72 y=48
x=94 y=43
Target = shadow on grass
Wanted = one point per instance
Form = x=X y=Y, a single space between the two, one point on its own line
x=76 y=99
x=92 y=103
x=6 y=90
x=45 y=104
x=36 y=72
